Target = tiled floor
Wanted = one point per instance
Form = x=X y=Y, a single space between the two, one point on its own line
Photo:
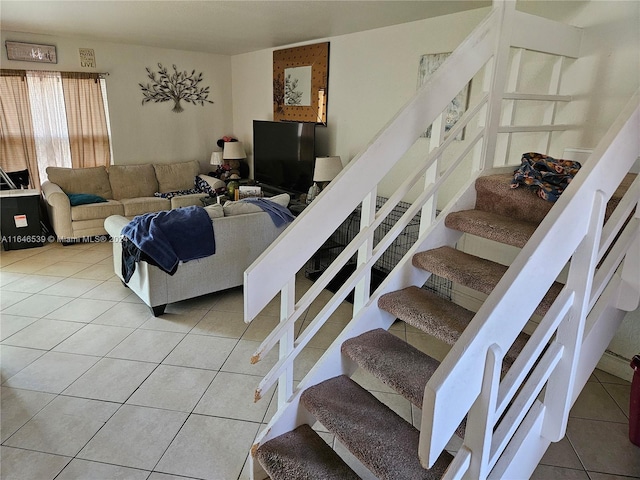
x=95 y=388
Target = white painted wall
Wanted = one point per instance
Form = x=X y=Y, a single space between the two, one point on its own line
x=151 y=133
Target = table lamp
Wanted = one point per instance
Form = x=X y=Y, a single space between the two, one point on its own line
x=233 y=151
x=325 y=170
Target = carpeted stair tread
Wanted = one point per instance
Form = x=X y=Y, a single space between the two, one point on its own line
x=383 y=441
x=492 y=226
x=392 y=361
x=438 y=317
x=473 y=272
x=302 y=455
x=494 y=194
x=428 y=312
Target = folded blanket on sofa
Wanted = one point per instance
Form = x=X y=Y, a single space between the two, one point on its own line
x=279 y=214
x=171 y=236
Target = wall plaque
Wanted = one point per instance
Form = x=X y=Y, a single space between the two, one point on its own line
x=87 y=57
x=31 y=52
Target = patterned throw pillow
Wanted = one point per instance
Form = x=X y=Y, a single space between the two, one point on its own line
x=210 y=185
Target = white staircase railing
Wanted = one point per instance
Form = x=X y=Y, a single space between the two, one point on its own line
x=487 y=47
x=572 y=231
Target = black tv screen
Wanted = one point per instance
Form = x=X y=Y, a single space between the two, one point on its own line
x=284 y=155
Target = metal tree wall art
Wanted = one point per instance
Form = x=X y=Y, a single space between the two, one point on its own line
x=174 y=86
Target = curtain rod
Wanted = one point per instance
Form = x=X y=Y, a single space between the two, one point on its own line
x=11 y=72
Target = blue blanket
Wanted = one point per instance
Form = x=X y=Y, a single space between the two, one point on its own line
x=279 y=214
x=171 y=236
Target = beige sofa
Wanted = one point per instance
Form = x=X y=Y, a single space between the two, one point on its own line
x=129 y=190
x=240 y=237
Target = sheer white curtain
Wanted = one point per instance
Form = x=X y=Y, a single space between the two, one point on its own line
x=49 y=121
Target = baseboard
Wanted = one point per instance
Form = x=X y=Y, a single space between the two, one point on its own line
x=616 y=365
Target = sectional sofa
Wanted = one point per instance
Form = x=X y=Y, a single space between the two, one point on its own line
x=78 y=200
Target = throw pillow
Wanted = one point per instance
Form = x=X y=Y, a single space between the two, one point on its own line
x=210 y=185
x=241 y=208
x=214 y=211
x=170 y=195
x=84 y=198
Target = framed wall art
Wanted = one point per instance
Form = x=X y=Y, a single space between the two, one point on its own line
x=429 y=63
x=31 y=52
x=300 y=81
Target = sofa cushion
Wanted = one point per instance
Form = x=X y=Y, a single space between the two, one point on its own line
x=132 y=181
x=214 y=211
x=241 y=208
x=188 y=200
x=142 y=205
x=176 y=176
x=94 y=180
x=96 y=210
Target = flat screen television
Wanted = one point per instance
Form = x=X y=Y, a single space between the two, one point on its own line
x=284 y=155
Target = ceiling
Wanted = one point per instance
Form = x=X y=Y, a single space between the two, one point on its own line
x=216 y=26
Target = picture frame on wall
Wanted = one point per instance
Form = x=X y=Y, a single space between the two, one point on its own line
x=300 y=81
x=429 y=63
x=31 y=52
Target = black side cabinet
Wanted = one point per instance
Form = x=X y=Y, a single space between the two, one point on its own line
x=20 y=219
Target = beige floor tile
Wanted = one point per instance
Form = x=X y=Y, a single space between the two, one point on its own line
x=172 y=321
x=18 y=407
x=124 y=315
x=147 y=346
x=165 y=476
x=71 y=287
x=10 y=324
x=134 y=437
x=29 y=265
x=605 y=377
x=621 y=394
x=18 y=464
x=52 y=372
x=7 y=299
x=31 y=283
x=239 y=359
x=546 y=472
x=84 y=470
x=114 y=291
x=210 y=448
x=95 y=272
x=561 y=454
x=14 y=359
x=82 y=310
x=111 y=379
x=231 y=395
x=173 y=388
x=64 y=426
x=605 y=476
x=221 y=324
x=261 y=327
x=7 y=278
x=604 y=446
x=63 y=268
x=43 y=334
x=595 y=403
x=94 y=340
x=36 y=305
x=201 y=351
x=230 y=301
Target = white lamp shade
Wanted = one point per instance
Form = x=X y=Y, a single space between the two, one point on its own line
x=326 y=168
x=216 y=158
x=233 y=151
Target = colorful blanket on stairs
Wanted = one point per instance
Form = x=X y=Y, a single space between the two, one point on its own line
x=548 y=176
x=169 y=237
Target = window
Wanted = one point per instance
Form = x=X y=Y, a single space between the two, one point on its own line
x=52 y=119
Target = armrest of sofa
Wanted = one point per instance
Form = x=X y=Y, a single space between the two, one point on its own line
x=114 y=225
x=58 y=208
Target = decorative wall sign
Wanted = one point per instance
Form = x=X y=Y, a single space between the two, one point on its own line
x=174 y=86
x=87 y=57
x=428 y=64
x=31 y=52
x=300 y=81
